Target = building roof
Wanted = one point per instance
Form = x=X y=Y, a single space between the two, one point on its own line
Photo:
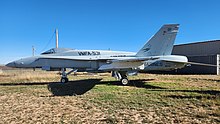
x=211 y=47
x=199 y=42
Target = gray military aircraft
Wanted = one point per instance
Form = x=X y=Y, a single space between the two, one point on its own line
x=155 y=55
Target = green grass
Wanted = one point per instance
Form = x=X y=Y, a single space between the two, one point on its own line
x=159 y=99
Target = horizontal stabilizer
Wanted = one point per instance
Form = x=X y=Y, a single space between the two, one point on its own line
x=192 y=63
x=202 y=64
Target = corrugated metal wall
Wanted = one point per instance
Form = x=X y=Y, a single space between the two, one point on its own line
x=198 y=49
x=201 y=52
x=198 y=69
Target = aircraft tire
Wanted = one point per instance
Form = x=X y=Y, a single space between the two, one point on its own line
x=124 y=81
x=64 y=80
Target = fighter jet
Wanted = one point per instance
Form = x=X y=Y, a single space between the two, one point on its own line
x=155 y=55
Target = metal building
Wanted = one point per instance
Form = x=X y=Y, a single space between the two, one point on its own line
x=200 y=52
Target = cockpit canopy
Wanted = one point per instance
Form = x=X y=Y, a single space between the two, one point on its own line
x=55 y=50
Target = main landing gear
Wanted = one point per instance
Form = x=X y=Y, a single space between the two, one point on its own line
x=124 y=81
x=121 y=75
x=64 y=78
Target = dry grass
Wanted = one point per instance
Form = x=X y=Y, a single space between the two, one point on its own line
x=37 y=97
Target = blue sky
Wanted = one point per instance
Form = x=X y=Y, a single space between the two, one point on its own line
x=100 y=24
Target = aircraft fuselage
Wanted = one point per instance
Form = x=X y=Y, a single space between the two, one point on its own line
x=92 y=60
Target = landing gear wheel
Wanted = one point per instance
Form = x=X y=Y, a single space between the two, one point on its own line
x=124 y=81
x=64 y=80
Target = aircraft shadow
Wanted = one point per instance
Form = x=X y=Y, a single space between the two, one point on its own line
x=213 y=94
x=212 y=80
x=80 y=87
x=141 y=83
x=27 y=83
x=70 y=88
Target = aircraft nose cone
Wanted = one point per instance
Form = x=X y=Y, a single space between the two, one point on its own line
x=11 y=64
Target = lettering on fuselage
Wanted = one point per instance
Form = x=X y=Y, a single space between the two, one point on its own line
x=88 y=53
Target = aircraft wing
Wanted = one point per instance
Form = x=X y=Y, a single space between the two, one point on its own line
x=134 y=63
x=134 y=59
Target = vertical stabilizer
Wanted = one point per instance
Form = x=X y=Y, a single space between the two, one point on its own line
x=161 y=43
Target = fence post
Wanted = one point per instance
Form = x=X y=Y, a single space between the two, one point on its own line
x=218 y=62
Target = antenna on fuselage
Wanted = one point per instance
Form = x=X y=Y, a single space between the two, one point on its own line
x=56 y=38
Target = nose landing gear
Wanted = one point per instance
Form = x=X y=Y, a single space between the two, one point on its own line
x=64 y=78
